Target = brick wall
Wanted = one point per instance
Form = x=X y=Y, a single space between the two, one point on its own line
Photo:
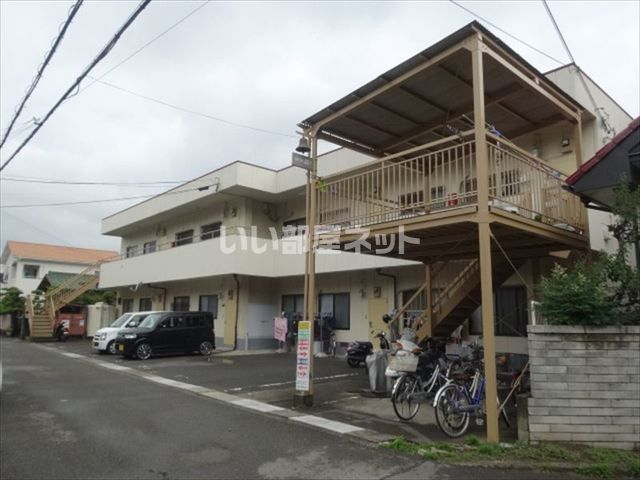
x=585 y=385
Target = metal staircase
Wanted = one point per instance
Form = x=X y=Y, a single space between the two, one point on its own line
x=456 y=299
x=42 y=308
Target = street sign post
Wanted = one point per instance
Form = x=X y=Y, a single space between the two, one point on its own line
x=302 y=161
x=304 y=356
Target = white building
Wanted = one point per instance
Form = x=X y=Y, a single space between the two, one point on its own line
x=174 y=256
x=25 y=264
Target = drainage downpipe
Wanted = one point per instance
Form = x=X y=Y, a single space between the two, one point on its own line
x=235 y=328
x=395 y=284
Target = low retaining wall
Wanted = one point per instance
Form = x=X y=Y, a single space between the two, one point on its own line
x=585 y=385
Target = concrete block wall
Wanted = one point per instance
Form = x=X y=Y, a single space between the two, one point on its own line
x=585 y=385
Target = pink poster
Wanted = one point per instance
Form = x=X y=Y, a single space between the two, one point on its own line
x=280 y=329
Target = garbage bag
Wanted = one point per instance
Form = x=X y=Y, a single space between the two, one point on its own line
x=377 y=365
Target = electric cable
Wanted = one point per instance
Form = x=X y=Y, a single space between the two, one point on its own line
x=194 y=112
x=506 y=33
x=605 y=123
x=36 y=229
x=106 y=200
x=157 y=37
x=69 y=93
x=34 y=83
x=79 y=182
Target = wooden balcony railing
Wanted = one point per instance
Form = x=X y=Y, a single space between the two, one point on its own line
x=447 y=179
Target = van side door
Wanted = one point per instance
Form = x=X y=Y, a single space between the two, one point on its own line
x=163 y=335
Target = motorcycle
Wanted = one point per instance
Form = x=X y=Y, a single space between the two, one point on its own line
x=61 y=332
x=358 y=351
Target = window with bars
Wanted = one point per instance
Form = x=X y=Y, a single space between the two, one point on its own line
x=131 y=251
x=293 y=305
x=127 y=305
x=181 y=304
x=184 y=238
x=145 y=305
x=336 y=305
x=149 y=247
x=212 y=230
x=208 y=303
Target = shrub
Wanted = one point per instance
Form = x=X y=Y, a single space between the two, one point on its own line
x=575 y=297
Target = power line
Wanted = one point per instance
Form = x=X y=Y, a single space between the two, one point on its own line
x=555 y=24
x=505 y=32
x=193 y=112
x=103 y=53
x=605 y=122
x=106 y=200
x=157 y=37
x=33 y=227
x=79 y=182
x=72 y=13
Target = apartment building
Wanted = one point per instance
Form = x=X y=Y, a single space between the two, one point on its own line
x=229 y=241
x=25 y=264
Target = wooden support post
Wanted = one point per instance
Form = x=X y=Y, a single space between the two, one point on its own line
x=484 y=234
x=429 y=297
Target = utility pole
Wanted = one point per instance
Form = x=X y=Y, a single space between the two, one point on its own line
x=304 y=367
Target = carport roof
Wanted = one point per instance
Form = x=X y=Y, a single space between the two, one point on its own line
x=437 y=96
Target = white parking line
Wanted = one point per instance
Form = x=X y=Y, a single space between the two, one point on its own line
x=175 y=383
x=255 y=405
x=71 y=355
x=113 y=366
x=332 y=425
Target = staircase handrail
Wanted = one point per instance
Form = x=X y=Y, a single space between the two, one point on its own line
x=471 y=267
x=404 y=308
x=67 y=283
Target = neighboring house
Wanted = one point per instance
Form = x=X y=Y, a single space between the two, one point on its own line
x=618 y=161
x=25 y=264
x=409 y=159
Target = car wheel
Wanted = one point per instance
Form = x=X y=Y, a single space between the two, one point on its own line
x=143 y=352
x=206 y=348
x=111 y=347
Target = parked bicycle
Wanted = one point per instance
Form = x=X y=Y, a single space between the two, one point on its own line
x=458 y=401
x=420 y=375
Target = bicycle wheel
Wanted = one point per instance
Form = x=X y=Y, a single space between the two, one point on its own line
x=402 y=398
x=452 y=421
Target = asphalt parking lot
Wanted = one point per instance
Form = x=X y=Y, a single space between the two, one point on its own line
x=341 y=392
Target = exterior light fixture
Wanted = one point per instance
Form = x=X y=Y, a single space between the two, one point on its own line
x=303 y=146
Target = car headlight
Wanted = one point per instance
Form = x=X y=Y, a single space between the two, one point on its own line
x=130 y=335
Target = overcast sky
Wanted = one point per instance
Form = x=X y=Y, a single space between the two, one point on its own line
x=265 y=64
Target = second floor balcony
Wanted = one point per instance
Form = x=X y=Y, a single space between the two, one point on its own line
x=444 y=177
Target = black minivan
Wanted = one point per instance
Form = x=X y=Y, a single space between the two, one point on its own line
x=168 y=332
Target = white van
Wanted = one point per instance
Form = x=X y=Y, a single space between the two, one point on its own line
x=104 y=339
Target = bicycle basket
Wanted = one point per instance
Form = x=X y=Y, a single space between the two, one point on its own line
x=404 y=363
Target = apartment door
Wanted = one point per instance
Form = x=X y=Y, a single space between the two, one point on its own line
x=377 y=308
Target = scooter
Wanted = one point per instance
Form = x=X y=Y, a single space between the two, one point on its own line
x=61 y=332
x=357 y=351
